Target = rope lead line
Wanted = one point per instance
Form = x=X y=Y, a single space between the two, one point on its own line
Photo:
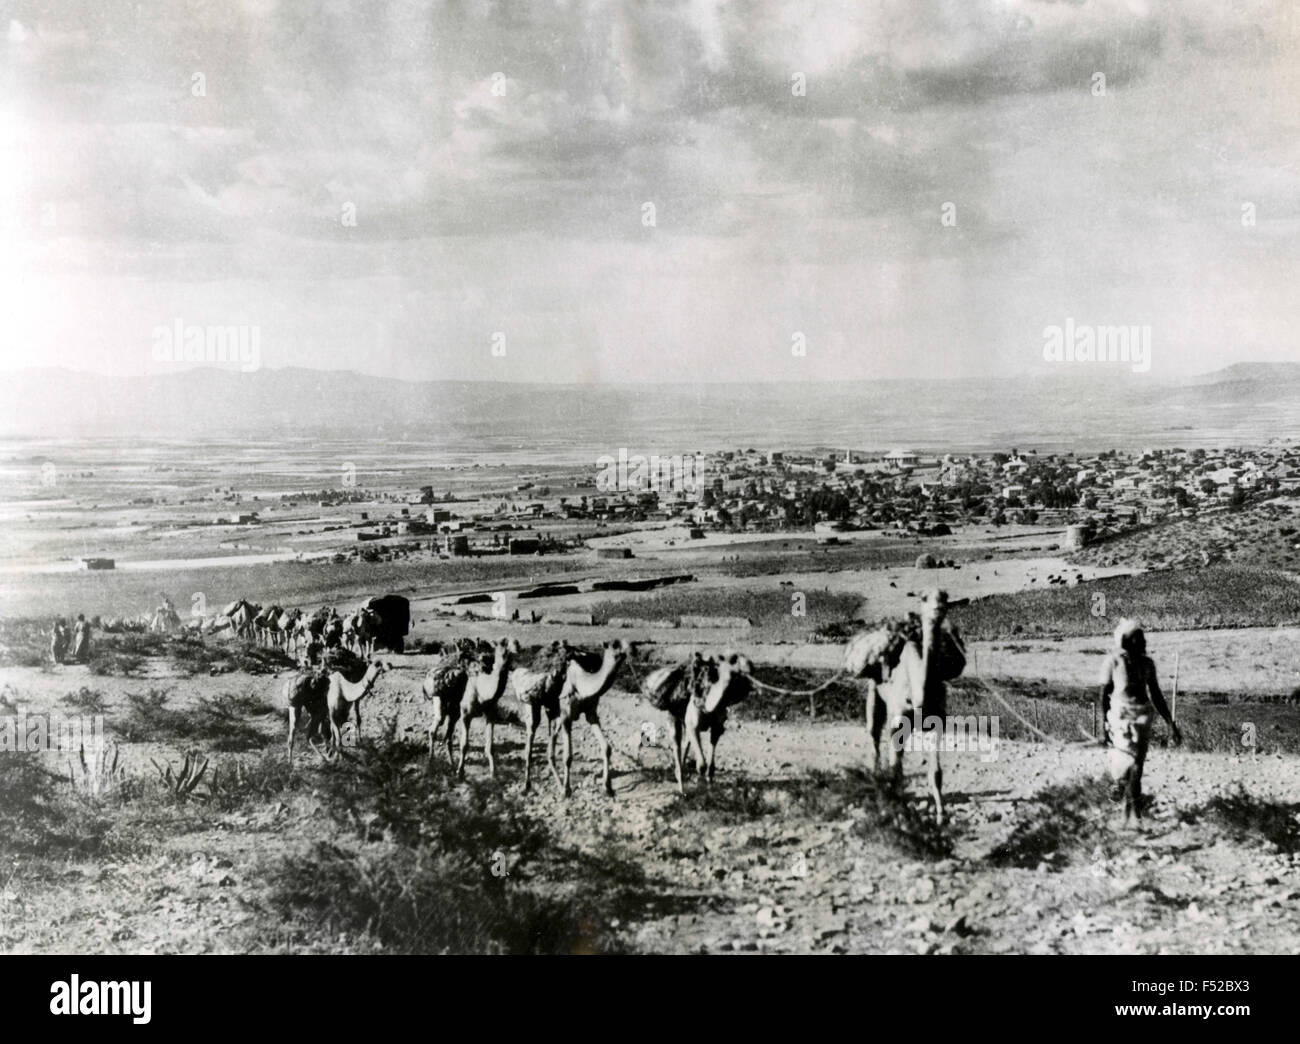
x=799 y=692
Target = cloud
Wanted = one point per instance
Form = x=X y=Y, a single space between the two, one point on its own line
x=505 y=152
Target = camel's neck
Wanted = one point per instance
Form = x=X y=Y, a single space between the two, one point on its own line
x=353 y=691
x=600 y=681
x=497 y=679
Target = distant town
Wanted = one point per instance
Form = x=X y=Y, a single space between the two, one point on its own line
x=823 y=493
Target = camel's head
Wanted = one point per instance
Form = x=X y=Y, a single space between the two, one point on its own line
x=732 y=671
x=505 y=651
x=935 y=607
x=617 y=652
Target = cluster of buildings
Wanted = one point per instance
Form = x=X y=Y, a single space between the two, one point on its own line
x=825 y=492
x=906 y=490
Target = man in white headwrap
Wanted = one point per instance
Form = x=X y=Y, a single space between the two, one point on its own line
x=1129 y=693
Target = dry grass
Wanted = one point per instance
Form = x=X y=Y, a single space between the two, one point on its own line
x=1218 y=596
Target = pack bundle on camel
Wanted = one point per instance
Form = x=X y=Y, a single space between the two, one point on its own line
x=906 y=663
x=696 y=694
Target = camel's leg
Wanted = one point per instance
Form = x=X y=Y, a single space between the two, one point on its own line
x=553 y=726
x=875 y=723
x=452 y=714
x=567 y=726
x=693 y=728
x=464 y=742
x=936 y=779
x=439 y=716
x=356 y=710
x=605 y=749
x=530 y=727
x=677 y=753
x=293 y=723
x=715 y=734
x=487 y=749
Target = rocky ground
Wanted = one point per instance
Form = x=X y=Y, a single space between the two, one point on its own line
x=790 y=851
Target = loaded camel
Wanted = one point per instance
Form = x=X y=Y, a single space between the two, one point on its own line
x=913 y=659
x=312 y=692
x=241 y=615
x=586 y=680
x=286 y=629
x=696 y=695
x=538 y=689
x=360 y=630
x=344 y=696
x=463 y=688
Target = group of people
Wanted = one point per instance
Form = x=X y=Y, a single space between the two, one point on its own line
x=70 y=644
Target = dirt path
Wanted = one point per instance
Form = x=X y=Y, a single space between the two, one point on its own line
x=767 y=862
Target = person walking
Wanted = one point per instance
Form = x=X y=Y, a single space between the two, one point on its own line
x=1129 y=693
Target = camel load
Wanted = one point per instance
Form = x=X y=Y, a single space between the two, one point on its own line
x=392 y=616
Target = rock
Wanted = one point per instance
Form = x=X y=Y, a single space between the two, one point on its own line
x=921 y=926
x=922 y=891
x=957 y=926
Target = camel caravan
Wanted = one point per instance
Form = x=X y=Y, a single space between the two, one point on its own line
x=905 y=664
x=380 y=623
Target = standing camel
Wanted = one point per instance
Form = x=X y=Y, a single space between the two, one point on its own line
x=915 y=688
x=241 y=614
x=538 y=689
x=344 y=696
x=287 y=630
x=462 y=691
x=696 y=695
x=586 y=680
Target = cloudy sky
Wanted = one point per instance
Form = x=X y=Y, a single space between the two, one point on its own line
x=203 y=161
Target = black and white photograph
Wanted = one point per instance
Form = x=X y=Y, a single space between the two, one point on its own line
x=621 y=477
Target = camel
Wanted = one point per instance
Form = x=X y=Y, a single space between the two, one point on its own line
x=266 y=627
x=462 y=690
x=286 y=629
x=696 y=695
x=360 y=630
x=305 y=691
x=332 y=631
x=308 y=688
x=929 y=655
x=344 y=696
x=586 y=680
x=539 y=689
x=242 y=615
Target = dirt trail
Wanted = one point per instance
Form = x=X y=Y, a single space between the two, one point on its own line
x=766 y=868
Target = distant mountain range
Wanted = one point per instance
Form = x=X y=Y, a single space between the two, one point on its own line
x=1244 y=403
